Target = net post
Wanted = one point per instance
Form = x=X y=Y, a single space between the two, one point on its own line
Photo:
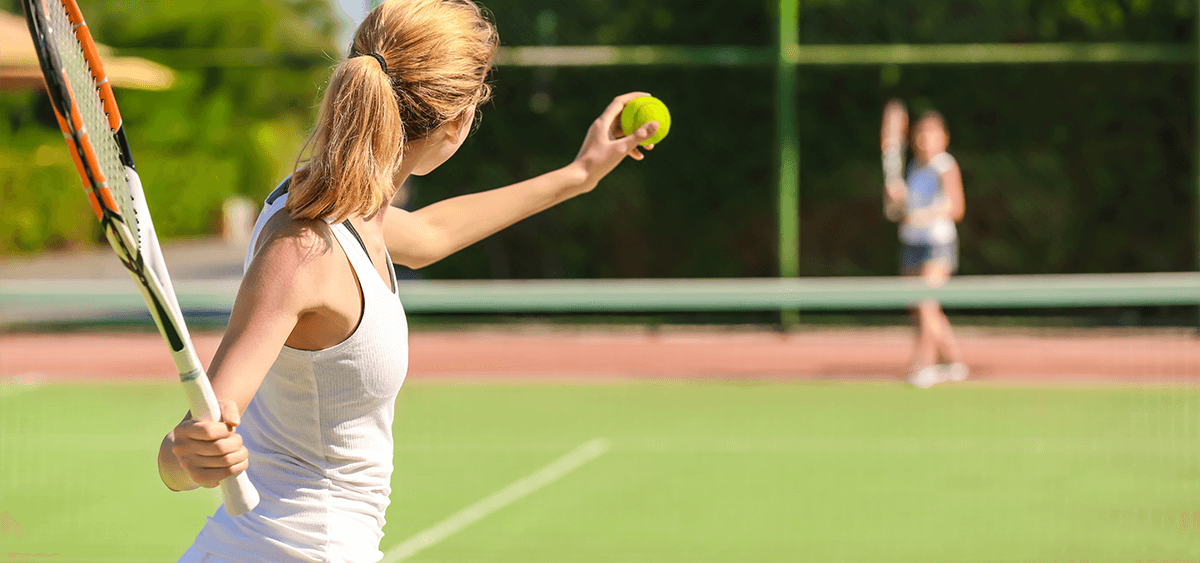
x=788 y=145
x=1197 y=163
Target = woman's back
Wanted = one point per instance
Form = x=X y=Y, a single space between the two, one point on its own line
x=319 y=433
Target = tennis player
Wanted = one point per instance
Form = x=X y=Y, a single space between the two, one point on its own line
x=316 y=348
x=927 y=202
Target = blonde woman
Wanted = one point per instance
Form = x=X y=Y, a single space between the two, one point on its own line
x=316 y=348
x=927 y=202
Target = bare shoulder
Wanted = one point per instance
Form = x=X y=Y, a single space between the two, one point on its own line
x=293 y=262
x=943 y=163
x=294 y=245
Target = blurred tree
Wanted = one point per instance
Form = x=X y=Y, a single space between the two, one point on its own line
x=1069 y=168
x=223 y=130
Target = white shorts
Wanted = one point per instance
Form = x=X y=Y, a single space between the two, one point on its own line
x=197 y=555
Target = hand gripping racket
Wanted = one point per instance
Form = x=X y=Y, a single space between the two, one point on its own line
x=87 y=113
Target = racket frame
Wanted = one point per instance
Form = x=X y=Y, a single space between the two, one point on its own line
x=141 y=254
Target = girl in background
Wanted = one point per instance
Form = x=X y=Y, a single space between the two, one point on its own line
x=316 y=348
x=927 y=202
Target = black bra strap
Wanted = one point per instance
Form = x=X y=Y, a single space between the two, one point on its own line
x=391 y=269
x=359 y=239
x=283 y=188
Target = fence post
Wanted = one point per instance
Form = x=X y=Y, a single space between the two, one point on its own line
x=788 y=145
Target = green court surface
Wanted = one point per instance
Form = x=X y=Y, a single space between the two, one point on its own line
x=678 y=471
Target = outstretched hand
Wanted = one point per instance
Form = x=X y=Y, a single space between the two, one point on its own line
x=606 y=145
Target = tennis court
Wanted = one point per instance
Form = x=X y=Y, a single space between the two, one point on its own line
x=544 y=443
x=706 y=359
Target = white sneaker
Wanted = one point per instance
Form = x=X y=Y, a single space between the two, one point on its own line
x=954 y=372
x=926 y=377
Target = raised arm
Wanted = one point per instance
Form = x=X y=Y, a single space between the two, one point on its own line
x=419 y=238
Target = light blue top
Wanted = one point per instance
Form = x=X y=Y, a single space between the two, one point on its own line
x=924 y=181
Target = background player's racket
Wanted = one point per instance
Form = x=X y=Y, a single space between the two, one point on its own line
x=87 y=113
x=892 y=139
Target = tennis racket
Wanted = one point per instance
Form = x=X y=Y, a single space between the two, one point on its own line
x=87 y=113
x=892 y=135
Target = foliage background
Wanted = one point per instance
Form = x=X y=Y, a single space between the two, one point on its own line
x=223 y=130
x=1067 y=168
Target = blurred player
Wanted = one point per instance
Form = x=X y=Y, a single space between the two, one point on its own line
x=927 y=202
x=316 y=348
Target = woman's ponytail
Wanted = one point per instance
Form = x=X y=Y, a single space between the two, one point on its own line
x=355 y=149
x=414 y=66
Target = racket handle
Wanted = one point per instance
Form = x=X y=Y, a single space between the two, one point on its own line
x=240 y=495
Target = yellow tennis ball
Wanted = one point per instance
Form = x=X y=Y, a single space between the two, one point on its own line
x=643 y=110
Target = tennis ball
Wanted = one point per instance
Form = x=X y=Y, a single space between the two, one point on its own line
x=643 y=110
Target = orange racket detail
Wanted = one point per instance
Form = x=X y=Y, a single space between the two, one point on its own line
x=73 y=14
x=76 y=118
x=95 y=204
x=70 y=137
x=78 y=162
x=79 y=168
x=106 y=197
x=62 y=124
x=93 y=161
x=84 y=139
x=110 y=105
x=92 y=55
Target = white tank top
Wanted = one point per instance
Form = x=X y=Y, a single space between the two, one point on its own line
x=319 y=432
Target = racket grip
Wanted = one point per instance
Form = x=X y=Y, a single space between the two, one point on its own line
x=239 y=493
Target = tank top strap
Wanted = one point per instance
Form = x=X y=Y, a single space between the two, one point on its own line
x=356 y=252
x=386 y=256
x=352 y=243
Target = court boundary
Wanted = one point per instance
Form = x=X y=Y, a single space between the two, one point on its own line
x=510 y=494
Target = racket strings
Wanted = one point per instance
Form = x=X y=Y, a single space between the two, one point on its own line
x=81 y=80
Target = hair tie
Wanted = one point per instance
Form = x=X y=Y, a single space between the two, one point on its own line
x=378 y=57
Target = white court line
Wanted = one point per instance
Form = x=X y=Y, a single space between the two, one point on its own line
x=589 y=451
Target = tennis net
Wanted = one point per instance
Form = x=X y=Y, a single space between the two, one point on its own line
x=32 y=299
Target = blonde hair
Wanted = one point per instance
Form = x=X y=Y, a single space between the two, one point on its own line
x=438 y=55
